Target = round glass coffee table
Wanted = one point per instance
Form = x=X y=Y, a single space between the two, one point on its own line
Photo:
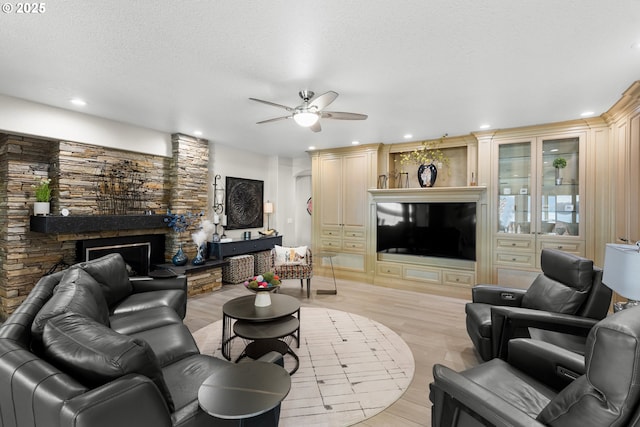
x=243 y=308
x=244 y=390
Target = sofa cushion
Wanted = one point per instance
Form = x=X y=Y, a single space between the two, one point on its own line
x=111 y=272
x=136 y=321
x=77 y=292
x=95 y=354
x=170 y=343
x=550 y=295
x=174 y=298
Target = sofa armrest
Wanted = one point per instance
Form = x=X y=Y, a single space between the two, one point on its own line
x=130 y=401
x=497 y=295
x=451 y=389
x=554 y=366
x=150 y=284
x=513 y=322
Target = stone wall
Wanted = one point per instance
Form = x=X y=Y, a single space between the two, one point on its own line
x=178 y=183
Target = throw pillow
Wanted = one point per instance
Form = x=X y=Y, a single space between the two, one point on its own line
x=111 y=272
x=95 y=354
x=76 y=292
x=290 y=256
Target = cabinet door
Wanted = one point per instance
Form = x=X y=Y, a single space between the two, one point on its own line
x=331 y=191
x=559 y=173
x=515 y=163
x=355 y=188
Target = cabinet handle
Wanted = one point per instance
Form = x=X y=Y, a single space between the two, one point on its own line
x=559 y=247
x=513 y=259
x=513 y=244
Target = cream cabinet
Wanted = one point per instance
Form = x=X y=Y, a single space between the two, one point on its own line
x=539 y=186
x=340 y=180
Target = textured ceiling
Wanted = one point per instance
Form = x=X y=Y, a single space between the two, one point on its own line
x=414 y=66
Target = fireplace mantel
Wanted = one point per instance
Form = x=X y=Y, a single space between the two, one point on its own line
x=55 y=224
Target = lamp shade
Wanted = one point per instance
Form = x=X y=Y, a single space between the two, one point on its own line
x=621 y=270
x=268 y=208
x=305 y=118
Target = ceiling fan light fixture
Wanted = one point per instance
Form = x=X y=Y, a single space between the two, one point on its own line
x=306 y=118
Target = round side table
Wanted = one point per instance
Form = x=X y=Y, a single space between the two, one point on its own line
x=244 y=390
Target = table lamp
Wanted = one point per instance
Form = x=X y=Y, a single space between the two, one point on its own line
x=621 y=272
x=268 y=209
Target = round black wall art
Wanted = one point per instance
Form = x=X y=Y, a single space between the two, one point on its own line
x=244 y=203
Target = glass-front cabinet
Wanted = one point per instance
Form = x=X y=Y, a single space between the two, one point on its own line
x=537 y=197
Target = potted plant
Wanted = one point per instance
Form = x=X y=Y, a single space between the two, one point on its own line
x=559 y=163
x=42 y=205
x=429 y=157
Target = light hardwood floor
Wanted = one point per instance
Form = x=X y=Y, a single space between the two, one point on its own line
x=433 y=327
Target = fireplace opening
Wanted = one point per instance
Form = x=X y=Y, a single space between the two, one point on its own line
x=140 y=253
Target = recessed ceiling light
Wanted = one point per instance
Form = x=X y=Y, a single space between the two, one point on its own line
x=485 y=126
x=197 y=132
x=79 y=102
x=587 y=113
x=355 y=142
x=312 y=147
x=407 y=136
x=636 y=46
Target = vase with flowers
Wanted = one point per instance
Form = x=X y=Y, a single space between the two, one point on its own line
x=180 y=223
x=429 y=157
x=42 y=206
x=262 y=285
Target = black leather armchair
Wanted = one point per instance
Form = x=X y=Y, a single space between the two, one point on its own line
x=568 y=297
x=500 y=393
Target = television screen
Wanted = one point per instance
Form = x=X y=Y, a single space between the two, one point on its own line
x=437 y=229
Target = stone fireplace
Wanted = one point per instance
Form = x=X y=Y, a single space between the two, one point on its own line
x=28 y=252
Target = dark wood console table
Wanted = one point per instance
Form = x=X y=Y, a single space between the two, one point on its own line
x=221 y=250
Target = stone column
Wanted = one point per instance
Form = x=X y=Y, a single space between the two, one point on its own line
x=188 y=183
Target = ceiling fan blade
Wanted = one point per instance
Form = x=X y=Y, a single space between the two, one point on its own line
x=337 y=115
x=316 y=127
x=273 y=104
x=274 y=120
x=322 y=101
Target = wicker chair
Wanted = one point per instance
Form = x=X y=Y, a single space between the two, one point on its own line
x=295 y=271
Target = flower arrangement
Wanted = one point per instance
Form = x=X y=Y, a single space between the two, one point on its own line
x=264 y=281
x=43 y=191
x=428 y=153
x=180 y=222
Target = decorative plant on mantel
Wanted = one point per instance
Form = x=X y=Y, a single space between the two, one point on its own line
x=428 y=153
x=559 y=163
x=429 y=157
x=43 y=189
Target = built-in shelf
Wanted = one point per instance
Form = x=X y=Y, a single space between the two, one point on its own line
x=57 y=224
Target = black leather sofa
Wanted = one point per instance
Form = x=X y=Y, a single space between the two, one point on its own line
x=90 y=348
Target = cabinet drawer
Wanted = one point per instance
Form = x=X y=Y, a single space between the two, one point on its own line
x=515 y=259
x=458 y=278
x=389 y=269
x=331 y=232
x=423 y=274
x=570 y=246
x=515 y=243
x=353 y=234
x=353 y=246
x=331 y=244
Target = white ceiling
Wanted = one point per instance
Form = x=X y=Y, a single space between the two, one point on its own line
x=414 y=66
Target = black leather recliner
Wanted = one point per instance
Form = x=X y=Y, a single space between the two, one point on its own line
x=500 y=393
x=568 y=297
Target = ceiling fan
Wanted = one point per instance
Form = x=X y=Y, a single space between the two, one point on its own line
x=309 y=113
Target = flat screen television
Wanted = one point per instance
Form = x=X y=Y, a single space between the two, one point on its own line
x=433 y=229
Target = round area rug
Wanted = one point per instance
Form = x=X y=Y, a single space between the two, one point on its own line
x=351 y=367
